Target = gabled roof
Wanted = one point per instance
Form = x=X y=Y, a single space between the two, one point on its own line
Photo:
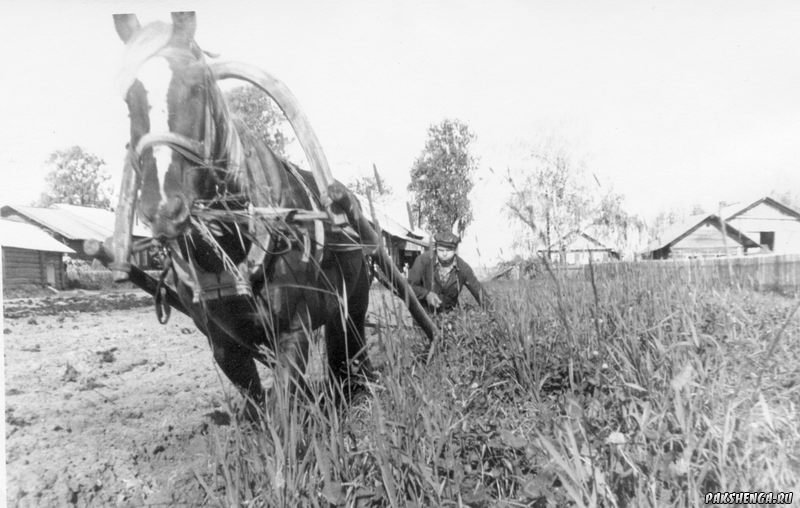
x=734 y=210
x=71 y=221
x=592 y=240
x=586 y=235
x=678 y=232
x=21 y=235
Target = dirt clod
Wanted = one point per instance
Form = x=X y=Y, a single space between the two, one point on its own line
x=107 y=356
x=70 y=374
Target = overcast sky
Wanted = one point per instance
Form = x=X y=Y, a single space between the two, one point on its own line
x=670 y=103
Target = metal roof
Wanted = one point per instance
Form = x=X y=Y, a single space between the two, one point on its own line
x=388 y=224
x=73 y=222
x=21 y=235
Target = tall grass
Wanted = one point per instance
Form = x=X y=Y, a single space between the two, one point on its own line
x=573 y=392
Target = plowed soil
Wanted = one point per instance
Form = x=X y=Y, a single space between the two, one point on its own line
x=104 y=406
x=107 y=407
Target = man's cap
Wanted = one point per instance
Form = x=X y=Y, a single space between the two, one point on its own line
x=446 y=239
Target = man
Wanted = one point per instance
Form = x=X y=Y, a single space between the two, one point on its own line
x=438 y=276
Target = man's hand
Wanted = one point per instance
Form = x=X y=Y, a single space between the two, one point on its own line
x=433 y=300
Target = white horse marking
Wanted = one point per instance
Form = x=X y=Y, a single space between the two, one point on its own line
x=156 y=75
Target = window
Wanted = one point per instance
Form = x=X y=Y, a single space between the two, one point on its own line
x=767 y=239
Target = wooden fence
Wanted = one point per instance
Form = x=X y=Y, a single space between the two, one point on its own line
x=763 y=273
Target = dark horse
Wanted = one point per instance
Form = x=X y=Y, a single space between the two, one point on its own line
x=260 y=253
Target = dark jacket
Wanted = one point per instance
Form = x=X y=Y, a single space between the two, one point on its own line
x=424 y=278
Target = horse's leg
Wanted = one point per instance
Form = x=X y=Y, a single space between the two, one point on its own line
x=235 y=361
x=238 y=365
x=292 y=357
x=346 y=344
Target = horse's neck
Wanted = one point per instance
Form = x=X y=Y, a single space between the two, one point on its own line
x=269 y=180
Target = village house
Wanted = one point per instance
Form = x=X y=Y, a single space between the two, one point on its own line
x=31 y=257
x=580 y=248
x=763 y=226
x=72 y=225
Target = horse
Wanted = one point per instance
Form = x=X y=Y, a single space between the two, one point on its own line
x=260 y=252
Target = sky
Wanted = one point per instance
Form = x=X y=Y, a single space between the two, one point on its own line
x=671 y=104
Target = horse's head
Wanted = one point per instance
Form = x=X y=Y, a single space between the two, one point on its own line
x=179 y=139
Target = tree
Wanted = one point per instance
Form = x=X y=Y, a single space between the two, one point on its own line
x=77 y=178
x=697 y=209
x=787 y=197
x=624 y=231
x=261 y=115
x=549 y=195
x=667 y=218
x=441 y=177
x=370 y=186
x=554 y=197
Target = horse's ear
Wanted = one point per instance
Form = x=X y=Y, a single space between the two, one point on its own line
x=184 y=25
x=126 y=25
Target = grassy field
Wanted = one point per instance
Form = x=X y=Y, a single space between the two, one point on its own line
x=624 y=392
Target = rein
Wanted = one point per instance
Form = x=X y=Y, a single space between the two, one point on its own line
x=163 y=309
x=187 y=147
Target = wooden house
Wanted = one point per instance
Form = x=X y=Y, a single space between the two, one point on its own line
x=31 y=257
x=578 y=248
x=700 y=238
x=72 y=225
x=758 y=227
x=774 y=226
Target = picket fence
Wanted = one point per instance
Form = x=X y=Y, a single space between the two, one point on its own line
x=762 y=273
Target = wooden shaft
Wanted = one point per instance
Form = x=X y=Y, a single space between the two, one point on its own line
x=268 y=213
x=123 y=224
x=136 y=275
x=289 y=104
x=399 y=283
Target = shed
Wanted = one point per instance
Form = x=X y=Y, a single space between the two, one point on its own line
x=31 y=256
x=72 y=225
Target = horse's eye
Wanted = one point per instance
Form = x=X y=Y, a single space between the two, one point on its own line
x=197 y=89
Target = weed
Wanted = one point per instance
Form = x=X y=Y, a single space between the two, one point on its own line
x=623 y=390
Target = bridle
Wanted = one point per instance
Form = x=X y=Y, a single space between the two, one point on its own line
x=233 y=280
x=199 y=153
x=256 y=166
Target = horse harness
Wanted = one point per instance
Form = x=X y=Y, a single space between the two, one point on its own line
x=233 y=280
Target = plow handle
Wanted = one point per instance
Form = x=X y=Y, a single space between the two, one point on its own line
x=399 y=283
